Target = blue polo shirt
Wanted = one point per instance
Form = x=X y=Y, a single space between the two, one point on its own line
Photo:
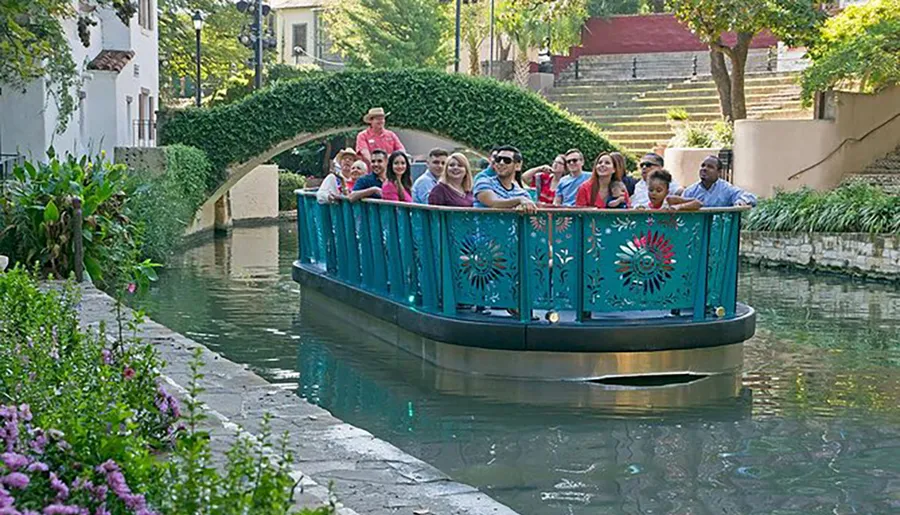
x=568 y=187
x=367 y=181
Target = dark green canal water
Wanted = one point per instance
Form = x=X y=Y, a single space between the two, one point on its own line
x=813 y=425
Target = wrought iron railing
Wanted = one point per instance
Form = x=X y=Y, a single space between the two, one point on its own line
x=600 y=261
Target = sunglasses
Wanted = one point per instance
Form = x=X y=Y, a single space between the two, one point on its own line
x=648 y=165
x=503 y=160
x=574 y=160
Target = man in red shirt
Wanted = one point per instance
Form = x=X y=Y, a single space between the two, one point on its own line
x=376 y=136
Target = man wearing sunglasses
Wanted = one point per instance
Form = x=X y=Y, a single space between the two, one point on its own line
x=649 y=164
x=501 y=191
x=567 y=189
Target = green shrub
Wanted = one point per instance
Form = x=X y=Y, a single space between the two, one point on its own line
x=677 y=114
x=287 y=183
x=163 y=206
x=703 y=135
x=857 y=49
x=37 y=214
x=852 y=208
x=83 y=412
x=476 y=112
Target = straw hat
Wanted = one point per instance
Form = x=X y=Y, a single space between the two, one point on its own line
x=342 y=153
x=375 y=111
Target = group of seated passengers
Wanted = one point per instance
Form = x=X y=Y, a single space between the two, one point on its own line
x=449 y=181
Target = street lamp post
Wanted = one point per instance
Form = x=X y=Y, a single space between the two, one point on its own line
x=458 y=16
x=198 y=27
x=491 y=56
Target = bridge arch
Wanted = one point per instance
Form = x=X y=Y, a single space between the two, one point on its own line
x=476 y=112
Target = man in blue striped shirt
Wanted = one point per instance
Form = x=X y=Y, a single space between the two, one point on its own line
x=715 y=192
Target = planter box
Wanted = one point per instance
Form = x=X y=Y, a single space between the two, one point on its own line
x=684 y=163
x=859 y=254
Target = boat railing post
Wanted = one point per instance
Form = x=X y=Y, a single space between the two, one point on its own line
x=701 y=274
x=352 y=243
x=449 y=297
x=579 y=265
x=366 y=258
x=340 y=241
x=301 y=229
x=328 y=235
x=524 y=290
x=426 y=256
x=730 y=284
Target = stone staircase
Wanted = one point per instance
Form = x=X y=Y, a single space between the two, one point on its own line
x=633 y=113
x=884 y=172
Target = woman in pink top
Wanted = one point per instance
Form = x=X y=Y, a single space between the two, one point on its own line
x=398 y=183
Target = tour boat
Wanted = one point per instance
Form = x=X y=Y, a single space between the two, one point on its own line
x=561 y=295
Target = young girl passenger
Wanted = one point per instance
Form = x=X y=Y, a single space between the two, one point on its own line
x=658 y=191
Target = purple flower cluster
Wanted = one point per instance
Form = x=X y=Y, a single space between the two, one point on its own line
x=167 y=403
x=25 y=447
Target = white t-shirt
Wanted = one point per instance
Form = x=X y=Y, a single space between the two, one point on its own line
x=641 y=195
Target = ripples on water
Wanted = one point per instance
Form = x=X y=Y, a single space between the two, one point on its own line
x=810 y=427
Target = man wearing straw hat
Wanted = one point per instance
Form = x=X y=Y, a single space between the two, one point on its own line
x=376 y=136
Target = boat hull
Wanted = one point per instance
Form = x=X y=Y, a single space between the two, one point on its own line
x=595 y=351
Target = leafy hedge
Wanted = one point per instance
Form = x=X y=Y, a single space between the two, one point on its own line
x=852 y=208
x=287 y=183
x=477 y=112
x=164 y=206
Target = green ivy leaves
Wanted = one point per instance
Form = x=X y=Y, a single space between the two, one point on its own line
x=475 y=112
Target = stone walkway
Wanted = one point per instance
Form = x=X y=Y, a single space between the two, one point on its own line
x=368 y=475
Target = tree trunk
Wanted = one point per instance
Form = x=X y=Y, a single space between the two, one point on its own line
x=522 y=65
x=722 y=80
x=503 y=50
x=474 y=56
x=738 y=57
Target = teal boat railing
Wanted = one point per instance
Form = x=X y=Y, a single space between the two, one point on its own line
x=603 y=261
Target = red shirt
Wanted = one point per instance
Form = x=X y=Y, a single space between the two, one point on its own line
x=583 y=197
x=387 y=141
x=542 y=181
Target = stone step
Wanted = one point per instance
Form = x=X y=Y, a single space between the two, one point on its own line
x=638 y=135
x=656 y=120
x=693 y=111
x=633 y=126
x=674 y=102
x=889 y=181
x=671 y=84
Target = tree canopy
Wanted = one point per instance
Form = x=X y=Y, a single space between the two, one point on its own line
x=391 y=33
x=33 y=45
x=858 y=49
x=222 y=55
x=795 y=22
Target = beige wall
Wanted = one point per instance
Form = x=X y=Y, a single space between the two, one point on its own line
x=256 y=195
x=684 y=163
x=768 y=152
x=285 y=19
x=253 y=197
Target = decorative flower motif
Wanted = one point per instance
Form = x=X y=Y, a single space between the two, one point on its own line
x=482 y=261
x=646 y=262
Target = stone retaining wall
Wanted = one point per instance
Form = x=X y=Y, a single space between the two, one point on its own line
x=871 y=255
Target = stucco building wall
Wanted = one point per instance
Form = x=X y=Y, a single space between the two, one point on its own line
x=769 y=152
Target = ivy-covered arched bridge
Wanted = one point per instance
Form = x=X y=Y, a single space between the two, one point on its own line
x=475 y=112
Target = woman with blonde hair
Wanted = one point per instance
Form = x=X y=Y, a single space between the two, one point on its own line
x=454 y=188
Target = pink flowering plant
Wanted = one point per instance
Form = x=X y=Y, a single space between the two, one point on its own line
x=87 y=427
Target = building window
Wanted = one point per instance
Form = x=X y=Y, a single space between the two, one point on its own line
x=145 y=14
x=299 y=40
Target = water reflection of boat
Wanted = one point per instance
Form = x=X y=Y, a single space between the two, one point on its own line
x=716 y=394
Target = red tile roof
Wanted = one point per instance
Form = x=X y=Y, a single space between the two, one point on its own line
x=111 y=60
